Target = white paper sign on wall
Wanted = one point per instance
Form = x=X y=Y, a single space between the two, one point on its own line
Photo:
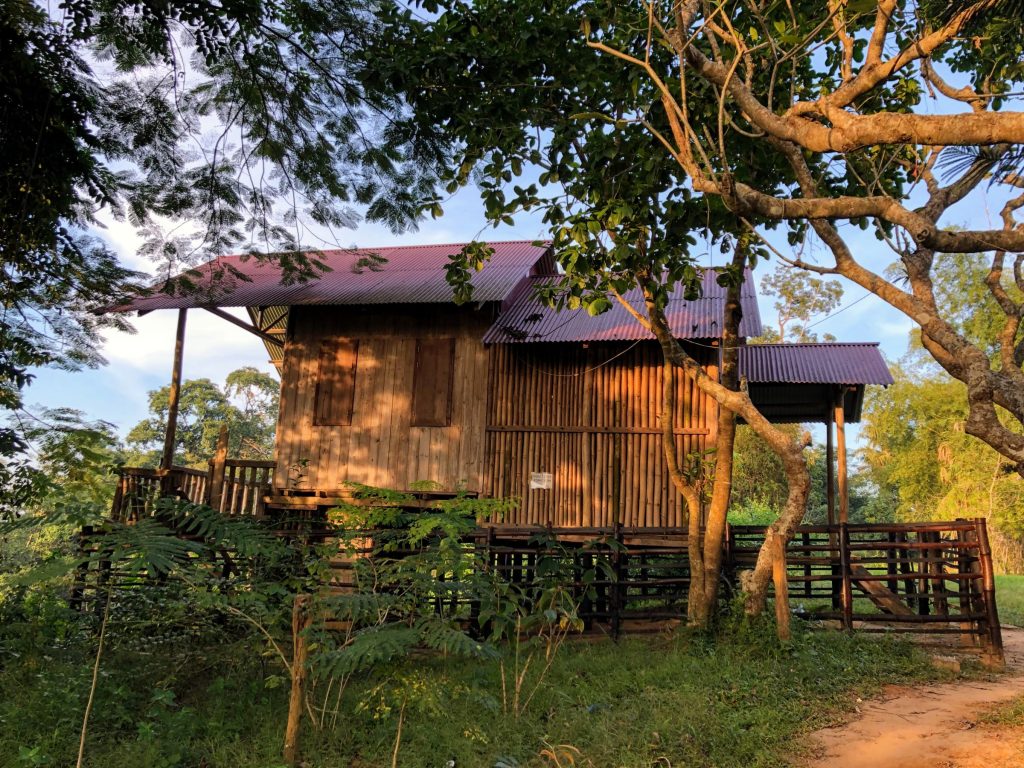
x=541 y=481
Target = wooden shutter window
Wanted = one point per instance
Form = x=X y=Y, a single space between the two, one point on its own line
x=335 y=383
x=432 y=383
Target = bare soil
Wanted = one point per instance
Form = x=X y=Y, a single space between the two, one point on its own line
x=933 y=726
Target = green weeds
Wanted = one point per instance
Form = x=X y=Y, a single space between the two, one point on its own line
x=689 y=699
x=1010 y=599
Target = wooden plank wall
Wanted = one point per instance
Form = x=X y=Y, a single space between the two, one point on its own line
x=591 y=418
x=381 y=447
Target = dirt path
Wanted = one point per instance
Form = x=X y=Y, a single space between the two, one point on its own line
x=933 y=726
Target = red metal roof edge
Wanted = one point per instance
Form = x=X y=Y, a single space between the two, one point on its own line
x=786 y=367
x=156 y=299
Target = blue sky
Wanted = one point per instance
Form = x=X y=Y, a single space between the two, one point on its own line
x=140 y=362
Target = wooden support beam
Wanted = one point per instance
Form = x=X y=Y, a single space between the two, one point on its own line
x=244 y=326
x=780 y=577
x=844 y=495
x=830 y=471
x=174 y=396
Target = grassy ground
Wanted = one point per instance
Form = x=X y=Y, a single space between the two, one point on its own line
x=641 y=702
x=1010 y=599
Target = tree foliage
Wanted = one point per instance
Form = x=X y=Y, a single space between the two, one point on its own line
x=568 y=130
x=799 y=300
x=247 y=405
x=210 y=127
x=883 y=115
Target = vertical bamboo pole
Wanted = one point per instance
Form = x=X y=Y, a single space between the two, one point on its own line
x=301 y=621
x=174 y=395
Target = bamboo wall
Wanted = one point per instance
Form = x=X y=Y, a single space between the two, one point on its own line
x=381 y=447
x=591 y=418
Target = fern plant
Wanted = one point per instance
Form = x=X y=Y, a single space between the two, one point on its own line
x=414 y=583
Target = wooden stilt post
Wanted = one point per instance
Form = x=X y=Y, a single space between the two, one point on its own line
x=296 y=701
x=844 y=495
x=830 y=470
x=781 y=579
x=993 y=632
x=830 y=495
x=175 y=394
x=844 y=557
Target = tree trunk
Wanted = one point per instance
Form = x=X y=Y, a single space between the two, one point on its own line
x=755 y=585
x=704 y=591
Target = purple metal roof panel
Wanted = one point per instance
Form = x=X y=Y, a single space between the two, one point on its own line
x=526 y=320
x=411 y=275
x=826 y=363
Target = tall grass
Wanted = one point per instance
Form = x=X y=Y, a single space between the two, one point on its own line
x=1010 y=599
x=681 y=699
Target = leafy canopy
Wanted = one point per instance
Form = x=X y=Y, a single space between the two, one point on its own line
x=545 y=124
x=247 y=405
x=211 y=127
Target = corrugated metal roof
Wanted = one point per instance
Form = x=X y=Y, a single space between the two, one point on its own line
x=526 y=320
x=411 y=275
x=826 y=363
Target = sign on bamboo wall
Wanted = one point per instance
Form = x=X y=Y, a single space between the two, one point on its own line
x=591 y=418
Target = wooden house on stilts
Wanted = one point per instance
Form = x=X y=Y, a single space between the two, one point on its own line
x=386 y=382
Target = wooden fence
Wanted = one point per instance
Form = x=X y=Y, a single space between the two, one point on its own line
x=933 y=578
x=928 y=578
x=638 y=576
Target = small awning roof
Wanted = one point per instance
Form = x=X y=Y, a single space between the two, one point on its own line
x=824 y=363
x=526 y=321
x=792 y=383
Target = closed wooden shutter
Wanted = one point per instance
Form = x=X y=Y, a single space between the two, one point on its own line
x=336 y=383
x=432 y=383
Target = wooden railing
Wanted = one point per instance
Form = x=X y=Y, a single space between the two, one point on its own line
x=933 y=578
x=232 y=486
x=927 y=578
x=245 y=483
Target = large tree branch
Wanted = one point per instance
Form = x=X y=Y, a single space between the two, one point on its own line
x=875 y=71
x=848 y=131
x=750 y=201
